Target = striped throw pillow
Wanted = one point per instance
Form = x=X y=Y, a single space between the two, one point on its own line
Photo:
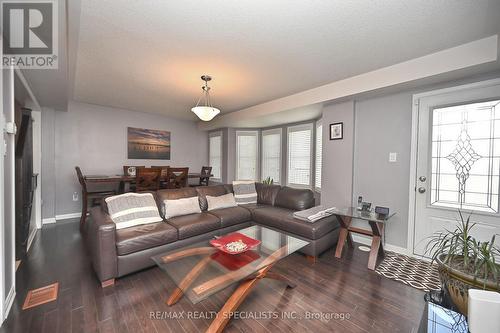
x=131 y=209
x=244 y=192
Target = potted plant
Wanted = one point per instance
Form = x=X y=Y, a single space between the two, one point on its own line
x=464 y=263
x=268 y=181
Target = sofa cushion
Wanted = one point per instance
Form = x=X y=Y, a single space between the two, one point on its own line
x=222 y=201
x=282 y=218
x=143 y=237
x=173 y=194
x=214 y=191
x=266 y=194
x=194 y=224
x=233 y=215
x=294 y=198
x=252 y=207
x=132 y=209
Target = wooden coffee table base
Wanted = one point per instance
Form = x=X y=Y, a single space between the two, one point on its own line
x=238 y=296
x=377 y=249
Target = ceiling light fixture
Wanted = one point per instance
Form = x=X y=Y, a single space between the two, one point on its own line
x=206 y=112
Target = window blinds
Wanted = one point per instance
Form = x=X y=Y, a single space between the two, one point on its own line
x=215 y=155
x=271 y=154
x=299 y=155
x=246 y=155
x=319 y=154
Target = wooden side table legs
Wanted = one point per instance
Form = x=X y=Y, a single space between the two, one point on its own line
x=376 y=248
x=345 y=222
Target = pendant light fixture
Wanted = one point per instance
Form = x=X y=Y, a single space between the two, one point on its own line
x=206 y=112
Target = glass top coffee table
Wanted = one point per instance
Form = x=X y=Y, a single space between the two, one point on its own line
x=201 y=270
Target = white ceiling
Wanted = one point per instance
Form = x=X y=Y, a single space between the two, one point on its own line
x=148 y=55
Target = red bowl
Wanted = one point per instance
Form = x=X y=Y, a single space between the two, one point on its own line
x=221 y=242
x=234 y=262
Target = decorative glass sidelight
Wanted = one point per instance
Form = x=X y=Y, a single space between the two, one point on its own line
x=466 y=156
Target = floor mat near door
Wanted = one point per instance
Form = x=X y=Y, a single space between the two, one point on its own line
x=411 y=271
x=41 y=296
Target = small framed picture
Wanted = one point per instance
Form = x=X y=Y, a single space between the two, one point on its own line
x=336 y=131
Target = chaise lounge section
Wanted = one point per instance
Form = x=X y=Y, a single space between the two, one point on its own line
x=115 y=253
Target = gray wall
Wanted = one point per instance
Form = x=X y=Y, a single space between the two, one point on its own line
x=95 y=138
x=337 y=169
x=48 y=164
x=383 y=125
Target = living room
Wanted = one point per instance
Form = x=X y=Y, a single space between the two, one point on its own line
x=251 y=166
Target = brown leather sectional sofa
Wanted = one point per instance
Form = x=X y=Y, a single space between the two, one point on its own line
x=115 y=253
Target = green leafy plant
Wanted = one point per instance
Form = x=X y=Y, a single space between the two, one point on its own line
x=459 y=250
x=268 y=181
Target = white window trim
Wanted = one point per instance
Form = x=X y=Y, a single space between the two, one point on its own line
x=319 y=122
x=309 y=126
x=211 y=135
x=270 y=132
x=257 y=162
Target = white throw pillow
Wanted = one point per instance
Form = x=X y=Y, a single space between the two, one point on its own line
x=131 y=209
x=244 y=192
x=180 y=207
x=222 y=201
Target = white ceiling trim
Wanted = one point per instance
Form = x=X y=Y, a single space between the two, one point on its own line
x=478 y=52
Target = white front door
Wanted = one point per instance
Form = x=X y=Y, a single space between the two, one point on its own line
x=458 y=161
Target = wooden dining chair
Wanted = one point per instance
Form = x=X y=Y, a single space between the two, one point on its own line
x=90 y=196
x=177 y=177
x=163 y=175
x=131 y=170
x=206 y=171
x=147 y=179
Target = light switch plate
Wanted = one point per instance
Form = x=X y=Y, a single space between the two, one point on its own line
x=393 y=157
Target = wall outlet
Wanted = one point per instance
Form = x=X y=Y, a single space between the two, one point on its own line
x=393 y=157
x=75 y=196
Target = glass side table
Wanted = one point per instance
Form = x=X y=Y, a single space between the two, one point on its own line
x=377 y=224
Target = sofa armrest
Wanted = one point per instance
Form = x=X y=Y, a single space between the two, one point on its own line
x=101 y=243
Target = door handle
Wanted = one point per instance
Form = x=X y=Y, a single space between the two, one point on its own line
x=422 y=178
x=421 y=190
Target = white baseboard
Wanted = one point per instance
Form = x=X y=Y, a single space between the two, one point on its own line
x=367 y=241
x=9 y=300
x=48 y=220
x=51 y=220
x=68 y=216
x=31 y=237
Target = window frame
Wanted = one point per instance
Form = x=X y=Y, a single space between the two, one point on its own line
x=257 y=151
x=319 y=123
x=272 y=131
x=296 y=128
x=212 y=135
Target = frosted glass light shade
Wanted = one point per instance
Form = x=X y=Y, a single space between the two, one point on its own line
x=205 y=113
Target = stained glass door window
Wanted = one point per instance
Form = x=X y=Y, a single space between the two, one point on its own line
x=466 y=156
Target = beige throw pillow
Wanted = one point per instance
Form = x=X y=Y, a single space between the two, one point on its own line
x=222 y=201
x=180 y=207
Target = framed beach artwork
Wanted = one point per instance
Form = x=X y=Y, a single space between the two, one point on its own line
x=148 y=144
x=336 y=131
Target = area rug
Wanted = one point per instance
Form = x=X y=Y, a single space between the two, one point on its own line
x=416 y=273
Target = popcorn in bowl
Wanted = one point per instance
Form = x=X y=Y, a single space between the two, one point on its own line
x=236 y=246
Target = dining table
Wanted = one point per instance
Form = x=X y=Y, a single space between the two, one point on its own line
x=124 y=179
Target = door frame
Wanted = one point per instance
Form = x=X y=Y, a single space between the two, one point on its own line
x=414 y=149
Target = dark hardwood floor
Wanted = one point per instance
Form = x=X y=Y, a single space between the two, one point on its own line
x=345 y=287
